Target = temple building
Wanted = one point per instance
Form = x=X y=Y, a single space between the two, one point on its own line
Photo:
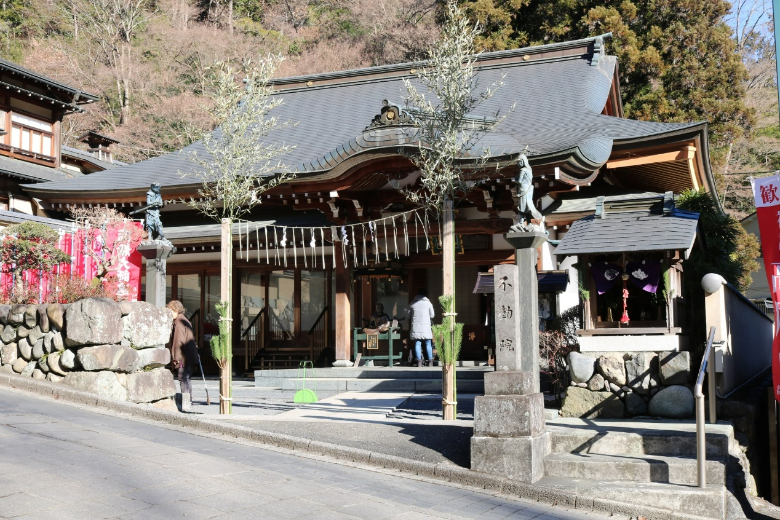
x=313 y=260
x=32 y=109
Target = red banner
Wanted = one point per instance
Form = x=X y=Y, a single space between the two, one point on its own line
x=767 y=194
x=125 y=273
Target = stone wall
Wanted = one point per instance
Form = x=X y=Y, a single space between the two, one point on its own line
x=614 y=385
x=115 y=350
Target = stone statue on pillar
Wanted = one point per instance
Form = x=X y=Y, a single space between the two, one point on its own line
x=156 y=249
x=525 y=193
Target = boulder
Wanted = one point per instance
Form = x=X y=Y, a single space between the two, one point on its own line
x=31 y=316
x=68 y=359
x=8 y=353
x=612 y=368
x=28 y=369
x=673 y=402
x=581 y=402
x=22 y=332
x=581 y=367
x=8 y=335
x=37 y=374
x=93 y=321
x=596 y=383
x=54 y=378
x=4 y=310
x=7 y=368
x=57 y=342
x=25 y=349
x=635 y=405
x=675 y=368
x=37 y=349
x=16 y=314
x=103 y=384
x=43 y=365
x=108 y=357
x=167 y=404
x=19 y=365
x=35 y=334
x=53 y=360
x=43 y=318
x=145 y=387
x=153 y=357
x=642 y=372
x=56 y=314
x=126 y=307
x=147 y=326
x=47 y=341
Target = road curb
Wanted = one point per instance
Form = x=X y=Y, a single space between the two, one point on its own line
x=442 y=472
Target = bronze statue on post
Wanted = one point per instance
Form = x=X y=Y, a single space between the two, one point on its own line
x=154 y=202
x=525 y=194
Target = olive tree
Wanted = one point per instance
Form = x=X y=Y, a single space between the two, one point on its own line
x=239 y=164
x=448 y=134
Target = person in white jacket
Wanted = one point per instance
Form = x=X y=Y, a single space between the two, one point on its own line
x=420 y=314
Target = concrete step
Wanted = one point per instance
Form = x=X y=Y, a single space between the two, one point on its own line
x=636 y=468
x=377 y=379
x=375 y=385
x=631 y=437
x=476 y=373
x=655 y=501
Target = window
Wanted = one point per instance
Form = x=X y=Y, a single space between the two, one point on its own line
x=32 y=135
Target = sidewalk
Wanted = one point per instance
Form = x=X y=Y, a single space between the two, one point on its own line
x=404 y=424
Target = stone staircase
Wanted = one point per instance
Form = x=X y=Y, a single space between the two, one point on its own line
x=642 y=468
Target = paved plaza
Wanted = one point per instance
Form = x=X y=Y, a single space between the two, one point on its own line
x=64 y=462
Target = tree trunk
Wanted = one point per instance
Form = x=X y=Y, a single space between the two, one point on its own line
x=230 y=17
x=448 y=275
x=225 y=371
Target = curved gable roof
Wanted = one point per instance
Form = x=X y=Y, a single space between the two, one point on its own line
x=559 y=91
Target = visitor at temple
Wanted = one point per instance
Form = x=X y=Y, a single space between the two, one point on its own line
x=184 y=352
x=420 y=314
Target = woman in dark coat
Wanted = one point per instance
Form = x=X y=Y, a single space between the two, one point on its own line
x=184 y=352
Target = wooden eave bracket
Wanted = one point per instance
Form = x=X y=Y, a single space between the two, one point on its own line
x=686 y=153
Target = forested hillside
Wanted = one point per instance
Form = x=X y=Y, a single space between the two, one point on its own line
x=150 y=59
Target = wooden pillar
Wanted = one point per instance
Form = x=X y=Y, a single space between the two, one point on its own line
x=297 y=307
x=448 y=289
x=343 y=311
x=226 y=270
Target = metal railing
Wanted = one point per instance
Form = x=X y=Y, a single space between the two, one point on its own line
x=278 y=331
x=253 y=338
x=708 y=364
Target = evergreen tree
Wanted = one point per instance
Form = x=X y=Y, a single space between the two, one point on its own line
x=678 y=61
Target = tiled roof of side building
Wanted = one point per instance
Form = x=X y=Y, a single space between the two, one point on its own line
x=49 y=82
x=630 y=231
x=88 y=157
x=14 y=217
x=28 y=171
x=559 y=102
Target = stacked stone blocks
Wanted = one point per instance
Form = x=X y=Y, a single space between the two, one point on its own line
x=98 y=345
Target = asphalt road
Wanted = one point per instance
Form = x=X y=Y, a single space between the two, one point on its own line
x=63 y=462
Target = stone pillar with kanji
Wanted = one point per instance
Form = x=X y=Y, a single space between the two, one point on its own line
x=510 y=437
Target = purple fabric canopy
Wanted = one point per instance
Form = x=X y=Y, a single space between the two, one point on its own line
x=645 y=274
x=605 y=275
